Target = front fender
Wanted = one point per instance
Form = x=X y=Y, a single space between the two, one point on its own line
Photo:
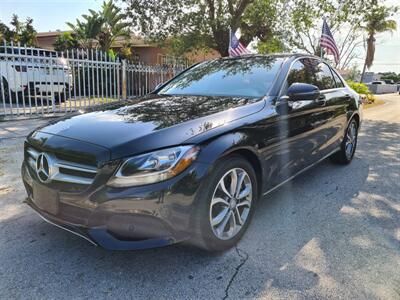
x=225 y=145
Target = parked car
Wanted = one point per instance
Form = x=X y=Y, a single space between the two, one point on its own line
x=33 y=72
x=378 y=82
x=389 y=81
x=191 y=160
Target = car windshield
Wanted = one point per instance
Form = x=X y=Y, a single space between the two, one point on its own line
x=239 y=77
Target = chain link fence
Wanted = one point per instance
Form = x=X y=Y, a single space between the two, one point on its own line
x=38 y=82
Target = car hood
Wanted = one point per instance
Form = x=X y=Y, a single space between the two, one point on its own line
x=153 y=122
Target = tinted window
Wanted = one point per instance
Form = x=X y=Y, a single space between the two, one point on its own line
x=339 y=82
x=311 y=71
x=301 y=73
x=246 y=77
x=323 y=76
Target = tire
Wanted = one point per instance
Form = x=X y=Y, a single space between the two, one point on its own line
x=344 y=157
x=213 y=238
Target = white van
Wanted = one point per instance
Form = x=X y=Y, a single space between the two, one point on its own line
x=33 y=73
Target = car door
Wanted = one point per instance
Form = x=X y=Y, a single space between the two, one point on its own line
x=304 y=126
x=331 y=117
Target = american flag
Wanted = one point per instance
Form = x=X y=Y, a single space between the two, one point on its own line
x=327 y=41
x=235 y=47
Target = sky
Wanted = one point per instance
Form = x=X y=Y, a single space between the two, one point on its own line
x=50 y=15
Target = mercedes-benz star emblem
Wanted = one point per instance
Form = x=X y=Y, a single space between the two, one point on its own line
x=43 y=167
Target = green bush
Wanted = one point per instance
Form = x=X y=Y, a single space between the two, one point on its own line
x=360 y=88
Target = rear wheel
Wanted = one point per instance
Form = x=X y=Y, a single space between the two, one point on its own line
x=348 y=146
x=224 y=210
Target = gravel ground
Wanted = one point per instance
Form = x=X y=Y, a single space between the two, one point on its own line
x=332 y=233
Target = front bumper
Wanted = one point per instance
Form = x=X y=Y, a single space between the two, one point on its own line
x=150 y=216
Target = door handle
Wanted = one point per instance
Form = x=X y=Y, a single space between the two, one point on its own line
x=321 y=100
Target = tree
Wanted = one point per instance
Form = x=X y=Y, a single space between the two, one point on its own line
x=391 y=76
x=87 y=30
x=353 y=73
x=376 y=20
x=100 y=28
x=303 y=23
x=203 y=24
x=4 y=31
x=66 y=41
x=113 y=26
x=19 y=32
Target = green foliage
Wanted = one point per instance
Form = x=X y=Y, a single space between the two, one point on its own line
x=194 y=24
x=376 y=20
x=302 y=25
x=354 y=73
x=272 y=45
x=391 y=76
x=113 y=25
x=66 y=41
x=100 y=28
x=19 y=32
x=111 y=54
x=360 y=88
x=278 y=25
x=87 y=30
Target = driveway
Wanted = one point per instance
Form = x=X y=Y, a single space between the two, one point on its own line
x=334 y=232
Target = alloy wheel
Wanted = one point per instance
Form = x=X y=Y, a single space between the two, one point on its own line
x=231 y=203
x=351 y=139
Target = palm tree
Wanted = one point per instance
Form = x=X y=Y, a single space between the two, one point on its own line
x=19 y=32
x=101 y=28
x=113 y=25
x=376 y=21
x=87 y=31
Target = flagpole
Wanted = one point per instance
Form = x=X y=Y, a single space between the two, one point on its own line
x=320 y=47
x=230 y=37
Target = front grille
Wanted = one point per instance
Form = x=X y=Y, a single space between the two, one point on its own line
x=62 y=170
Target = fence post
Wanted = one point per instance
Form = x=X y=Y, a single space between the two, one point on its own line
x=124 y=79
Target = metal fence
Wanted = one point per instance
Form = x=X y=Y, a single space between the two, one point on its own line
x=42 y=82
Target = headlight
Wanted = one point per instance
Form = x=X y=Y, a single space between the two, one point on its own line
x=154 y=166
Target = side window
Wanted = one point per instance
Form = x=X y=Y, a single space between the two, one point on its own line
x=300 y=73
x=323 y=77
x=312 y=71
x=339 y=82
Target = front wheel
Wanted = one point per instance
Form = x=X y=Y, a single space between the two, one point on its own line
x=349 y=144
x=224 y=210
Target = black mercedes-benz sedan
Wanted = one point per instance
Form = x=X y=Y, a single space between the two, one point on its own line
x=190 y=161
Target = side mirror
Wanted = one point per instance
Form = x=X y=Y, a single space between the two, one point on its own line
x=303 y=91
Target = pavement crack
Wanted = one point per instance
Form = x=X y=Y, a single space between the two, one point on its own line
x=244 y=256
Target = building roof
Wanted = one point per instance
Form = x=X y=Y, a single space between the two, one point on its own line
x=50 y=33
x=135 y=40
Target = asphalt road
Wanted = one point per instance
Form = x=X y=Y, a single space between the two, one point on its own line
x=332 y=233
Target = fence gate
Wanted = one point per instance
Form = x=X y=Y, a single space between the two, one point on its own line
x=36 y=82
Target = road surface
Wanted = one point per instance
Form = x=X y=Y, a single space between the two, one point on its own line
x=332 y=233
